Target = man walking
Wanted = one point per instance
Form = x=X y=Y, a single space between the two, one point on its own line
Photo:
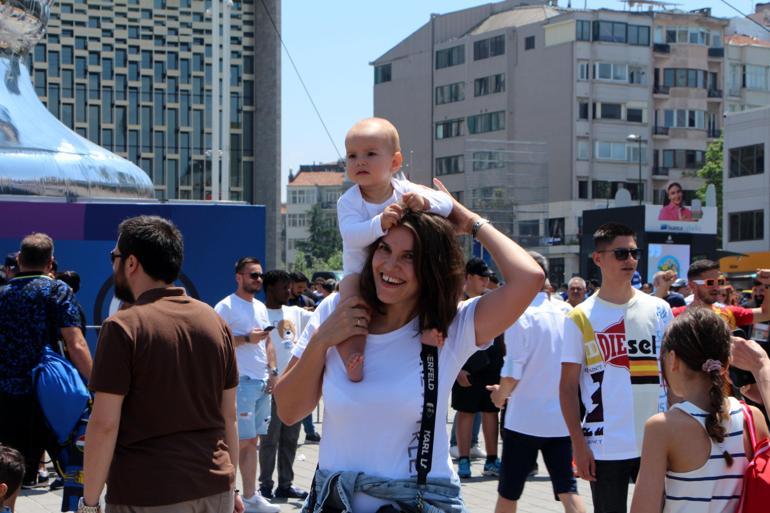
x=288 y=323
x=247 y=318
x=34 y=311
x=529 y=382
x=611 y=354
x=163 y=431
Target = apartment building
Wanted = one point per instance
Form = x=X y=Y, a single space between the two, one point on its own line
x=748 y=73
x=316 y=184
x=602 y=99
x=746 y=185
x=135 y=77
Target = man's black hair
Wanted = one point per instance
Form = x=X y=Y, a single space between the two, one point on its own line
x=71 y=278
x=298 y=277
x=699 y=267
x=607 y=232
x=11 y=470
x=274 y=277
x=156 y=243
x=244 y=261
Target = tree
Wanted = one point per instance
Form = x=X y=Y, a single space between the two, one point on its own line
x=711 y=172
x=323 y=248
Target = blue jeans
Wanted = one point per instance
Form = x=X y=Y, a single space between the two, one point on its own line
x=307 y=423
x=253 y=407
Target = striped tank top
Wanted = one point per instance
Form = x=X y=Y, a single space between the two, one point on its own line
x=715 y=487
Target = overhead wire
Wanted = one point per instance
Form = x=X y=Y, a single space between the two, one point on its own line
x=728 y=4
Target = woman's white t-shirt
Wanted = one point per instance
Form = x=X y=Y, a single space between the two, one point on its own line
x=373 y=426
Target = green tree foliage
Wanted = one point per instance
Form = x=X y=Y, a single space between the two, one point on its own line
x=322 y=251
x=711 y=172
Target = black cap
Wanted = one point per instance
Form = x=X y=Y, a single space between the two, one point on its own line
x=10 y=260
x=478 y=267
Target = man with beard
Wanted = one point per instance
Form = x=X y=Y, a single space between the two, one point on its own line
x=704 y=279
x=163 y=430
x=247 y=318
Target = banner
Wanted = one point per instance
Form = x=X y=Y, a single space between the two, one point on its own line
x=697 y=219
x=668 y=257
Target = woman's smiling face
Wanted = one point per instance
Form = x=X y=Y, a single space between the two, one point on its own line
x=395 y=279
x=675 y=195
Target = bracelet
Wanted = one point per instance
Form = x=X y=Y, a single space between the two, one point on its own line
x=236 y=491
x=83 y=508
x=476 y=226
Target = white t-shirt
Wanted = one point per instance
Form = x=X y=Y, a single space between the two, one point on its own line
x=373 y=426
x=360 y=221
x=621 y=385
x=533 y=356
x=289 y=322
x=242 y=317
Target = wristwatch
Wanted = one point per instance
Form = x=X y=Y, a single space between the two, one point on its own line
x=476 y=226
x=83 y=508
x=274 y=372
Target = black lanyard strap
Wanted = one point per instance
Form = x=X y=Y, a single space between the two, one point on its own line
x=429 y=357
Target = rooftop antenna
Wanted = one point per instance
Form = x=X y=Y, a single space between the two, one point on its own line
x=650 y=4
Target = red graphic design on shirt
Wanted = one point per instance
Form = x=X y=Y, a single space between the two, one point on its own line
x=612 y=342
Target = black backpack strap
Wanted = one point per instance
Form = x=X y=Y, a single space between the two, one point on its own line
x=429 y=357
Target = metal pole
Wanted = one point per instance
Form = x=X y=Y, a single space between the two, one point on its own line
x=225 y=191
x=215 y=146
x=641 y=189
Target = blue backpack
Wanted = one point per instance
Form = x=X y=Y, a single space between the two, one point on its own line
x=62 y=395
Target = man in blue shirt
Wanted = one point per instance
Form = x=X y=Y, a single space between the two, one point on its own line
x=34 y=312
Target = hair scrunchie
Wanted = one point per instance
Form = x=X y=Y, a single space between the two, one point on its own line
x=711 y=365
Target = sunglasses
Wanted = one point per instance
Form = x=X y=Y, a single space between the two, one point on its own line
x=710 y=282
x=114 y=255
x=624 y=253
x=253 y=276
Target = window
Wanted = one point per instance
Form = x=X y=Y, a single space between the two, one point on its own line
x=683 y=159
x=529 y=232
x=489 y=122
x=451 y=128
x=450 y=57
x=583 y=30
x=601 y=189
x=634 y=115
x=682 y=118
x=639 y=35
x=382 y=73
x=583 y=149
x=684 y=77
x=529 y=42
x=300 y=196
x=637 y=74
x=583 y=68
x=582 y=189
x=483 y=160
x=619 y=151
x=608 y=110
x=485 y=48
x=296 y=220
x=582 y=110
x=481 y=86
x=610 y=31
x=616 y=72
x=747 y=225
x=747 y=160
x=755 y=77
x=489 y=85
x=450 y=93
x=449 y=165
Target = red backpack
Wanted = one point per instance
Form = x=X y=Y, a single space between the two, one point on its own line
x=756 y=480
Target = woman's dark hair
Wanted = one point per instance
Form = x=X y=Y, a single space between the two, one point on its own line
x=696 y=336
x=439 y=268
x=156 y=243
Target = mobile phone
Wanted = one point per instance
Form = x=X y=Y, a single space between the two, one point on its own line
x=269 y=328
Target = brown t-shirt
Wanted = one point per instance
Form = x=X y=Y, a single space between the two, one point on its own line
x=171 y=356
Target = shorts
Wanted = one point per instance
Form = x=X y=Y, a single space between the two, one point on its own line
x=610 y=490
x=253 y=408
x=520 y=455
x=472 y=399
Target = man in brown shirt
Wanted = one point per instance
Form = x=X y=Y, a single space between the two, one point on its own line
x=164 y=428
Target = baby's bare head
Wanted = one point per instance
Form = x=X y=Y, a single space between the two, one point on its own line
x=379 y=128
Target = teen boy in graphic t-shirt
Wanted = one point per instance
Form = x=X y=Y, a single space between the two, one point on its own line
x=610 y=356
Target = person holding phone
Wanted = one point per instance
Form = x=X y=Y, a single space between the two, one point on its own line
x=248 y=320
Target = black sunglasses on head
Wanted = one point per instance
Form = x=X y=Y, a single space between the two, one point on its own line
x=624 y=253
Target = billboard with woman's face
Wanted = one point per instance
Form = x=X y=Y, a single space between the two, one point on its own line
x=677 y=217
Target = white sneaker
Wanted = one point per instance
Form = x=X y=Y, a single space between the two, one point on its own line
x=258 y=504
x=477 y=452
x=454 y=452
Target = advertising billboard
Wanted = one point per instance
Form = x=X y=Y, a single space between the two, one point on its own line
x=668 y=257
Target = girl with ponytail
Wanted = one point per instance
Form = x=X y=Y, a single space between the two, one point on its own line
x=695 y=454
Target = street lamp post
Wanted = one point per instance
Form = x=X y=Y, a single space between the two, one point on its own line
x=638 y=139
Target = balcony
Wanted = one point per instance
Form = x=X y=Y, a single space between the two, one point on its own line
x=716 y=53
x=661 y=48
x=659 y=171
x=660 y=89
x=714 y=133
x=660 y=130
x=715 y=93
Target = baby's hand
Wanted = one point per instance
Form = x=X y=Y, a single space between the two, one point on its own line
x=415 y=201
x=391 y=216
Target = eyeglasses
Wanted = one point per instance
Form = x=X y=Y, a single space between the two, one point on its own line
x=710 y=282
x=624 y=253
x=254 y=276
x=114 y=255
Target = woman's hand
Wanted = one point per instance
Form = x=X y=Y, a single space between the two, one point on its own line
x=748 y=355
x=350 y=318
x=461 y=217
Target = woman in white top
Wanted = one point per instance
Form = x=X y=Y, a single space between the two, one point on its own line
x=695 y=454
x=412 y=279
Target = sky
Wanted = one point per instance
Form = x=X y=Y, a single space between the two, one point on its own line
x=332 y=44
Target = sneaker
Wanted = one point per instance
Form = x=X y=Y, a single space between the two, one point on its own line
x=292 y=492
x=492 y=468
x=312 y=438
x=258 y=504
x=454 y=452
x=477 y=452
x=533 y=472
x=266 y=492
x=464 y=468
x=57 y=484
x=34 y=483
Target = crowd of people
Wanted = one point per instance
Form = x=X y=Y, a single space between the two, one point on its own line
x=613 y=381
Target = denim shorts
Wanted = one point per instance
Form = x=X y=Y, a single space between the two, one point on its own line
x=253 y=408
